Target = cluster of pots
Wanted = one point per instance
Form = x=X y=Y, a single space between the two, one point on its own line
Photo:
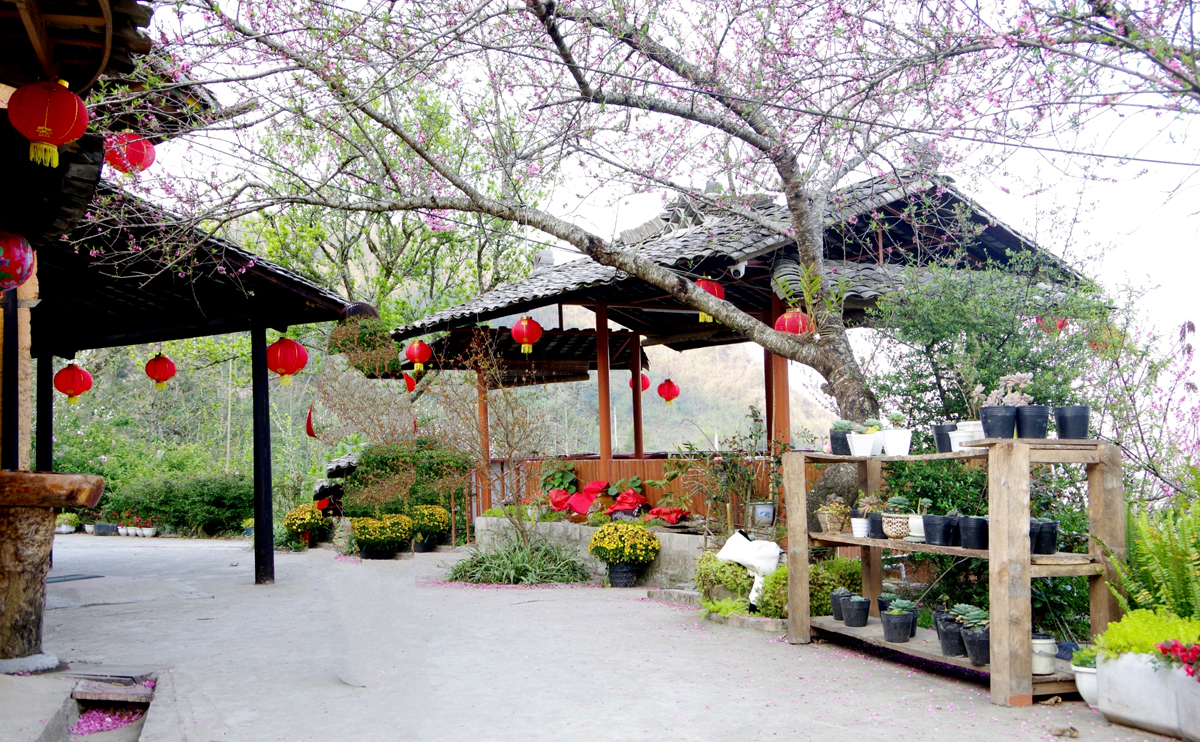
x=854 y=610
x=967 y=531
x=892 y=441
x=1005 y=421
x=112 y=529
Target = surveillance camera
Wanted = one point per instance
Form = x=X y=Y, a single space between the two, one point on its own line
x=738 y=270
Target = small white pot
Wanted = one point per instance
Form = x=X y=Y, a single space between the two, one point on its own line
x=877 y=443
x=149 y=532
x=122 y=530
x=916 y=526
x=64 y=528
x=1135 y=693
x=897 y=441
x=860 y=527
x=861 y=444
x=1045 y=653
x=89 y=528
x=958 y=436
x=1085 y=683
x=974 y=426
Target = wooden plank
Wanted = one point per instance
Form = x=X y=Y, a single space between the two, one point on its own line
x=602 y=386
x=1040 y=444
x=821 y=538
x=35 y=28
x=829 y=458
x=96 y=690
x=1009 y=574
x=41 y=489
x=1061 y=557
x=1066 y=570
x=795 y=493
x=1063 y=456
x=1106 y=527
x=872 y=575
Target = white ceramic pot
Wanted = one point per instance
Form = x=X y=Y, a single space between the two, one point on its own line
x=1187 y=696
x=897 y=441
x=89 y=528
x=1045 y=653
x=861 y=444
x=916 y=527
x=1133 y=692
x=149 y=532
x=975 y=426
x=1085 y=683
x=860 y=527
x=122 y=531
x=958 y=436
x=877 y=443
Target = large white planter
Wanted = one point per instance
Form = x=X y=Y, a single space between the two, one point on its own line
x=877 y=443
x=64 y=529
x=149 y=532
x=1134 y=693
x=122 y=530
x=1085 y=683
x=897 y=441
x=861 y=444
x=1187 y=697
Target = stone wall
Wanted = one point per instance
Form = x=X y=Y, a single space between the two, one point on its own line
x=675 y=565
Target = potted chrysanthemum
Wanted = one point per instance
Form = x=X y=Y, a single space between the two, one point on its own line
x=624 y=548
x=429 y=523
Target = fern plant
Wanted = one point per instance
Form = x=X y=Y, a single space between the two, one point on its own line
x=1163 y=568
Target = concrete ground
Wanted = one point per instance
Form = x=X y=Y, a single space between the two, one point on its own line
x=349 y=651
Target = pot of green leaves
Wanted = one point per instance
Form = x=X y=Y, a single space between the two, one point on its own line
x=950 y=631
x=870 y=521
x=976 y=636
x=916 y=521
x=897 y=625
x=861 y=440
x=66 y=523
x=838 y=443
x=382 y=537
x=429 y=523
x=884 y=600
x=895 y=518
x=897 y=440
x=1083 y=664
x=835 y=601
x=909 y=607
x=625 y=547
x=856 y=609
x=875 y=430
x=833 y=514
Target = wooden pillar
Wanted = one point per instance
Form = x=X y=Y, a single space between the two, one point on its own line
x=870 y=481
x=10 y=388
x=1009 y=574
x=264 y=528
x=1106 y=523
x=769 y=391
x=27 y=535
x=485 y=444
x=45 y=413
x=636 y=377
x=781 y=395
x=795 y=492
x=605 y=405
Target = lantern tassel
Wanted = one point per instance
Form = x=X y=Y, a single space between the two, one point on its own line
x=285 y=380
x=705 y=317
x=72 y=400
x=526 y=348
x=43 y=153
x=418 y=367
x=670 y=403
x=160 y=385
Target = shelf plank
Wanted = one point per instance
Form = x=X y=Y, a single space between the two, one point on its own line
x=1070 y=563
x=926 y=646
x=832 y=458
x=1087 y=569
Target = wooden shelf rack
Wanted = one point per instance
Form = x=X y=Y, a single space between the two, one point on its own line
x=1011 y=566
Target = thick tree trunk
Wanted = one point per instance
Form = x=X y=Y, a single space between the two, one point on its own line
x=26 y=538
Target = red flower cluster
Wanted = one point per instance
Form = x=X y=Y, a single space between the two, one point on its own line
x=1178 y=653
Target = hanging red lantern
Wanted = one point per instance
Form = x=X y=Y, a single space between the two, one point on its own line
x=49 y=116
x=668 y=390
x=287 y=358
x=418 y=352
x=410 y=382
x=308 y=424
x=645 y=381
x=1051 y=325
x=16 y=260
x=795 y=322
x=713 y=288
x=73 y=381
x=128 y=152
x=526 y=332
x=161 y=369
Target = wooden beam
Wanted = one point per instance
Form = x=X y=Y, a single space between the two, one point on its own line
x=635 y=370
x=10 y=387
x=1009 y=574
x=264 y=528
x=795 y=494
x=35 y=28
x=1106 y=523
x=605 y=406
x=45 y=414
x=61 y=19
x=485 y=443
x=683 y=337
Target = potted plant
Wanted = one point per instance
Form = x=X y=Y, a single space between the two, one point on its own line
x=122 y=529
x=380 y=538
x=624 y=548
x=941 y=436
x=973 y=531
x=303 y=519
x=1072 y=421
x=884 y=600
x=861 y=526
x=838 y=442
x=998 y=410
x=429 y=523
x=861 y=440
x=149 y=527
x=833 y=514
x=871 y=507
x=836 y=596
x=248 y=526
x=896 y=440
x=941 y=530
x=1083 y=664
x=1043 y=536
x=874 y=428
x=897 y=624
x=916 y=520
x=856 y=609
x=88 y=520
x=895 y=519
x=909 y=607
x=66 y=523
x=976 y=635
x=950 y=630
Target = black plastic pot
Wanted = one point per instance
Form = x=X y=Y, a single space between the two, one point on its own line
x=836 y=602
x=912 y=627
x=622 y=575
x=105 y=529
x=856 y=611
x=1047 y=539
x=1033 y=420
x=876 y=522
x=999 y=421
x=940 y=530
x=838 y=442
x=895 y=627
x=884 y=604
x=423 y=545
x=1035 y=528
x=937 y=622
x=979 y=645
x=951 y=636
x=973 y=532
x=376 y=553
x=1072 y=421
x=941 y=436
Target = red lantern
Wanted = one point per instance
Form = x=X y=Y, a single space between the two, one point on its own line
x=1051 y=325
x=418 y=353
x=713 y=288
x=16 y=260
x=795 y=322
x=526 y=332
x=410 y=382
x=668 y=390
x=308 y=424
x=73 y=381
x=161 y=369
x=645 y=381
x=49 y=116
x=286 y=357
x=128 y=152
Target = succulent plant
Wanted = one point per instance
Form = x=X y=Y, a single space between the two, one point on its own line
x=900 y=605
x=869 y=504
x=889 y=596
x=975 y=618
x=859 y=599
x=961 y=609
x=896 y=419
x=843 y=426
x=840 y=592
x=898 y=504
x=953 y=513
x=923 y=505
x=873 y=424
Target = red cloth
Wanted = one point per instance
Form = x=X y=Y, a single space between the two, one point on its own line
x=558 y=499
x=322 y=504
x=670 y=515
x=595 y=487
x=580 y=502
x=627 y=500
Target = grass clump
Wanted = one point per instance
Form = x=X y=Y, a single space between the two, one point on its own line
x=516 y=564
x=724 y=608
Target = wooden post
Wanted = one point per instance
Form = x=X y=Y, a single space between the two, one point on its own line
x=636 y=377
x=45 y=414
x=781 y=395
x=27 y=535
x=1106 y=523
x=10 y=388
x=1009 y=574
x=485 y=445
x=795 y=492
x=264 y=529
x=605 y=405
x=769 y=391
x=870 y=481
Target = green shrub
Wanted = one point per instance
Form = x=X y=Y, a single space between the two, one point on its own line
x=1140 y=630
x=516 y=564
x=1163 y=568
x=595 y=520
x=726 y=607
x=711 y=572
x=1085 y=657
x=67 y=519
x=208 y=505
x=773 y=602
x=304 y=518
x=824 y=577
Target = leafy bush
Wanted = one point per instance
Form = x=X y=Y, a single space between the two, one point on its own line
x=203 y=505
x=304 y=518
x=385 y=533
x=595 y=520
x=623 y=543
x=1163 y=568
x=711 y=572
x=67 y=519
x=1085 y=657
x=726 y=607
x=824 y=577
x=1141 y=630
x=773 y=602
x=430 y=520
x=516 y=564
